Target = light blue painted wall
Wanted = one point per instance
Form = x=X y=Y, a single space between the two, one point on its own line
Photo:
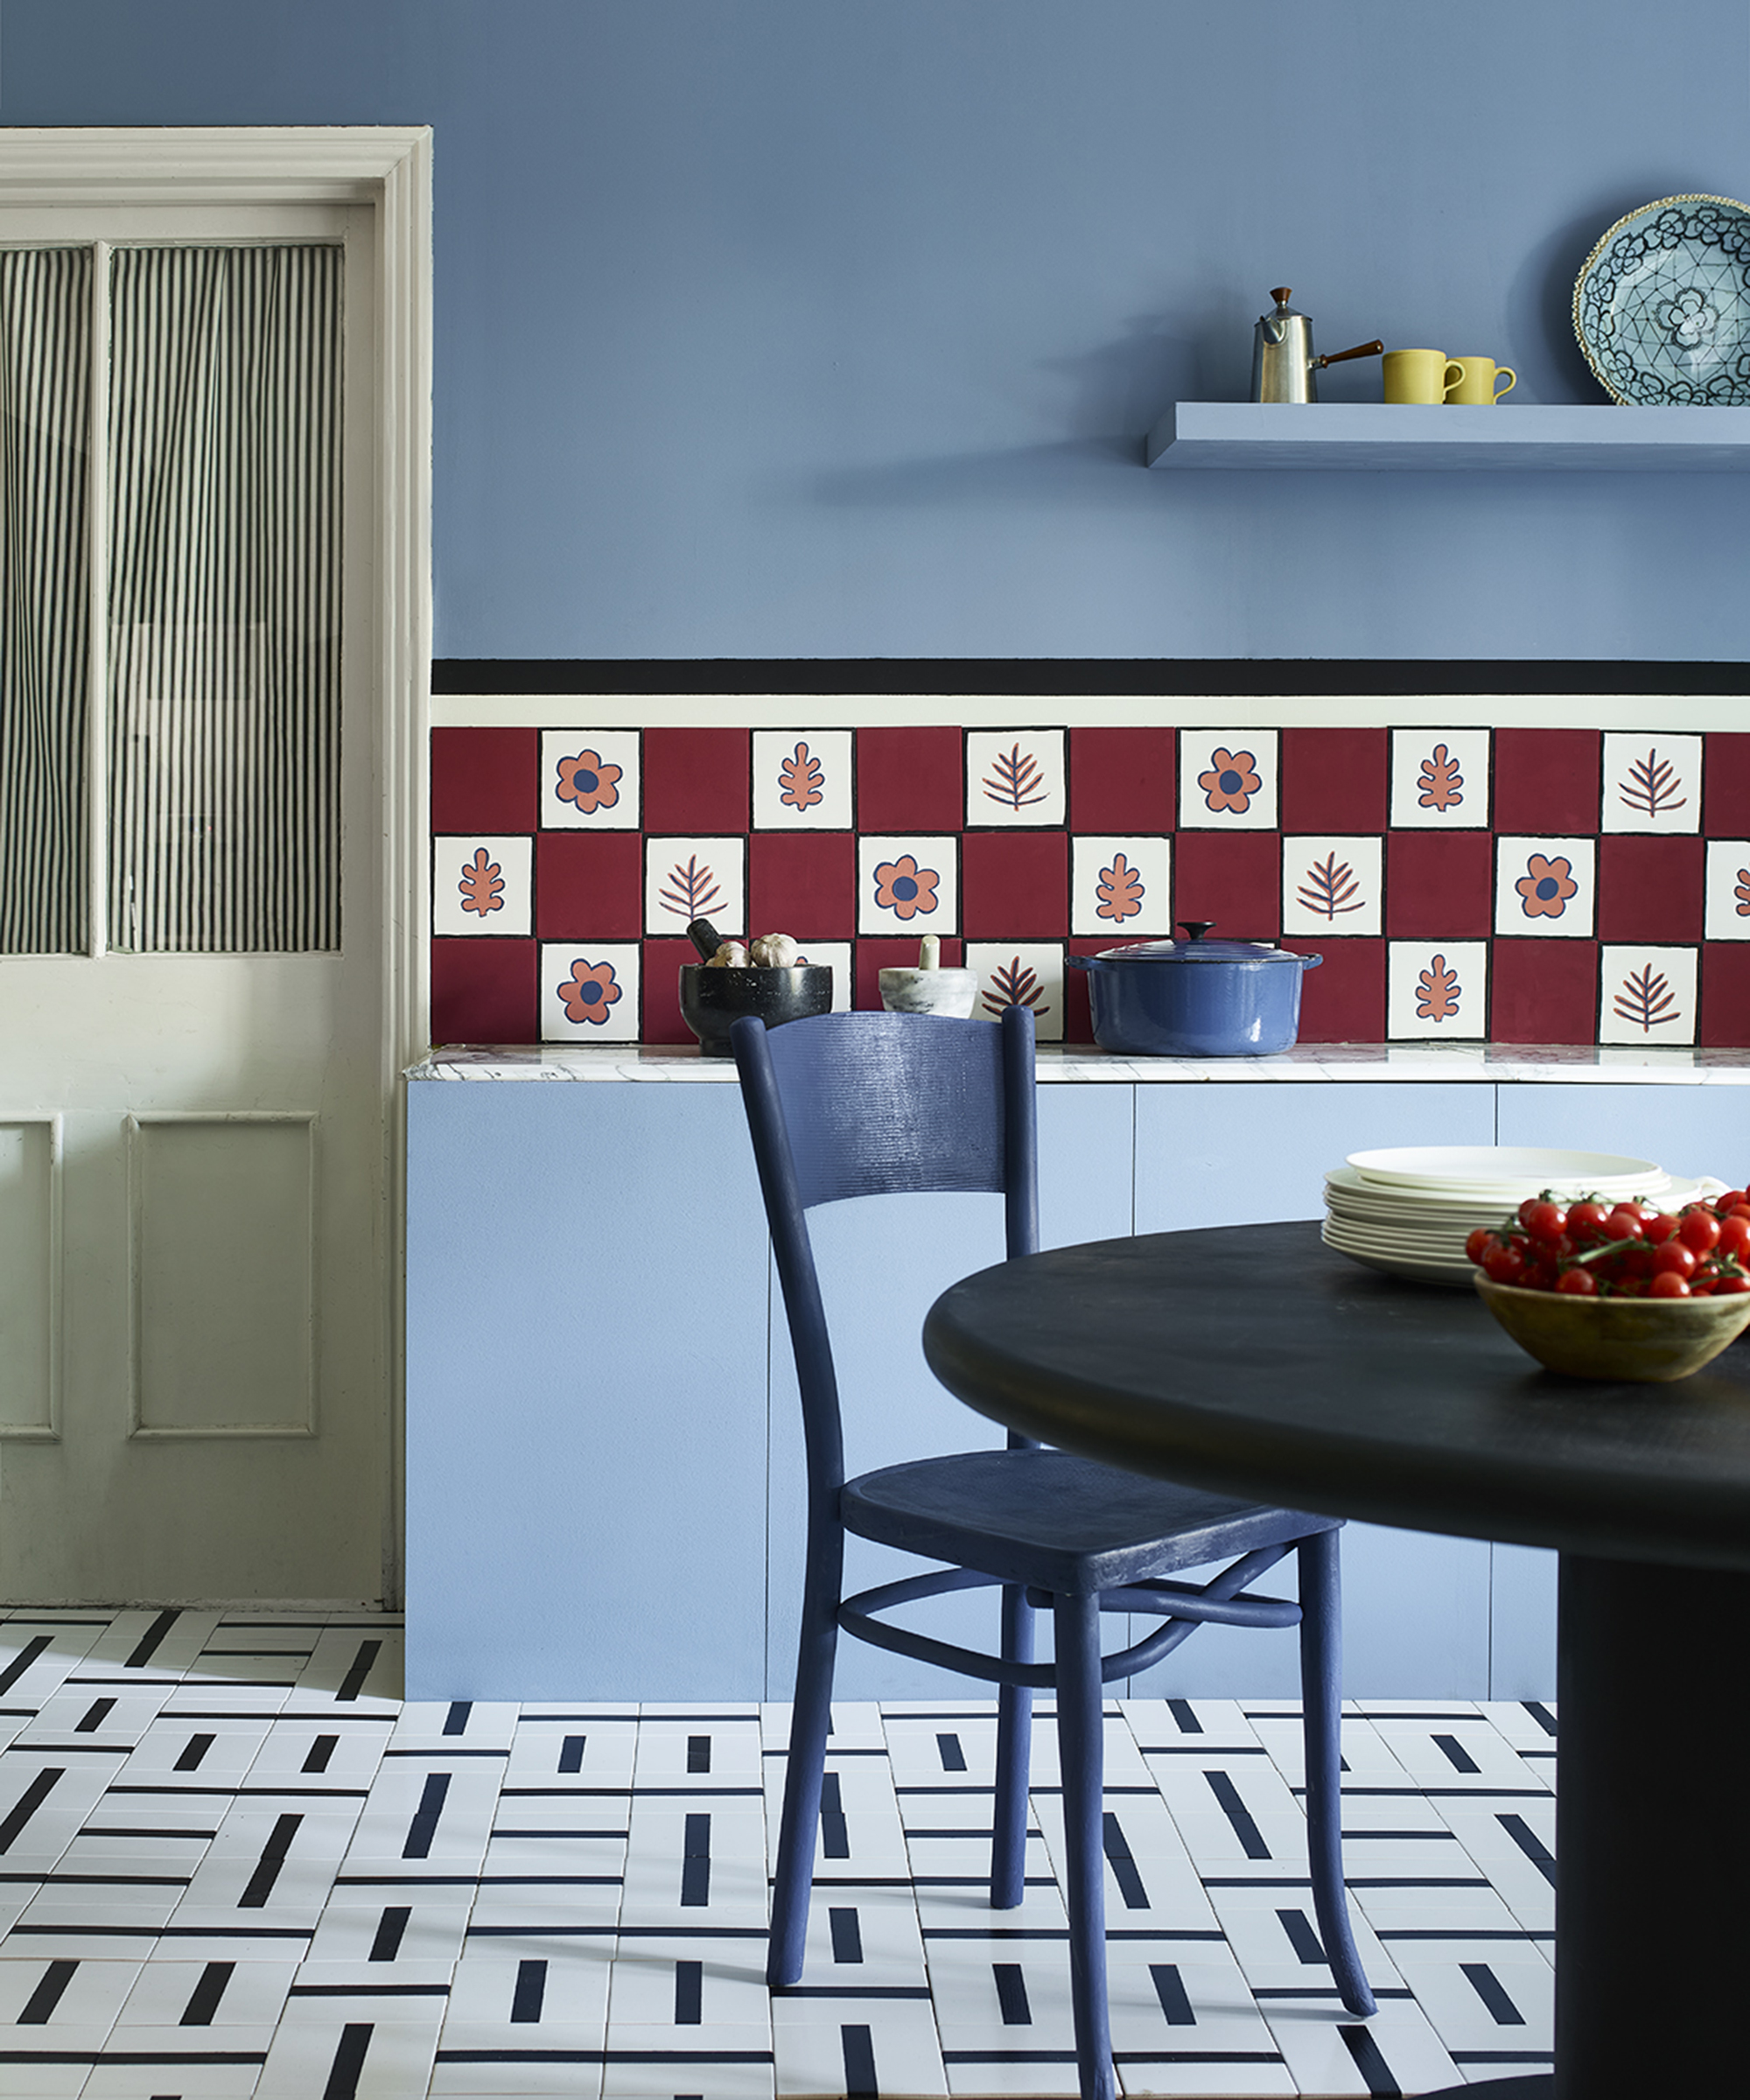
x=777 y=328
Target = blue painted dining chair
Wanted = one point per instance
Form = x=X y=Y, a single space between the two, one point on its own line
x=856 y=1104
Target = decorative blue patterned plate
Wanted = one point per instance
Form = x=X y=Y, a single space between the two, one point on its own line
x=1661 y=306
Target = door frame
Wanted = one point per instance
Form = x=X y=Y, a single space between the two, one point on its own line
x=387 y=168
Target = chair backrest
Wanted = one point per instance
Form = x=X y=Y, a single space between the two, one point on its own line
x=856 y=1105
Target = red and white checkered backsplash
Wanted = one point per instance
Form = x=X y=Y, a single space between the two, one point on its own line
x=1506 y=883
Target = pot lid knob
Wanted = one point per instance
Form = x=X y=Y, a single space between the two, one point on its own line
x=1195 y=928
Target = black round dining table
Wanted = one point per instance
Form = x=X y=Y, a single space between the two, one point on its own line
x=1255 y=1361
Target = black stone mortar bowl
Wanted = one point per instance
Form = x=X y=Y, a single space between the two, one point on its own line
x=713 y=1000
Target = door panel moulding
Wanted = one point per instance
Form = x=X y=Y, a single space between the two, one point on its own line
x=387 y=168
x=46 y=1429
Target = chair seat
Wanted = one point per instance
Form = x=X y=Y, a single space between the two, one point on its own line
x=1066 y=1524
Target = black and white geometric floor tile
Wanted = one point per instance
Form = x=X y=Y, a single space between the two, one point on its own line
x=233 y=1862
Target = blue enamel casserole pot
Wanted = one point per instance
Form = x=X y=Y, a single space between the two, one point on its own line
x=1195 y=997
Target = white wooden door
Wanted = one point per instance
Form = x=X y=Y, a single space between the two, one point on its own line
x=194 y=1343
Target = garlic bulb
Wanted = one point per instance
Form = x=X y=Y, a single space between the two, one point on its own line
x=774 y=951
x=731 y=954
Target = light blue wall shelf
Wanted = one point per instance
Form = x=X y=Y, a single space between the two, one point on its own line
x=1372 y=437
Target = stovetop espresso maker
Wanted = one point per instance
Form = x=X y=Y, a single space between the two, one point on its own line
x=1284 y=368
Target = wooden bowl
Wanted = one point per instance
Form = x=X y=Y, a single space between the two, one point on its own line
x=1619 y=1341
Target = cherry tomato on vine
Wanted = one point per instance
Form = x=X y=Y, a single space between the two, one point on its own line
x=1732 y=1286
x=1623 y=1223
x=1585 y=1218
x=1658 y=1227
x=1668 y=1283
x=1734 y=1235
x=1503 y=1264
x=1576 y=1283
x=1478 y=1243
x=1675 y=1259
x=1543 y=1219
x=1700 y=1230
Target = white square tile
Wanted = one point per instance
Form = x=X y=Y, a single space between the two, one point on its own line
x=907 y=885
x=801 y=780
x=1728 y=890
x=814 y=2053
x=1545 y=888
x=589 y=991
x=1121 y=886
x=1014 y=776
x=1436 y=988
x=1331 y=885
x=1020 y=973
x=1227 y=780
x=1652 y=782
x=1439 y=778
x=482 y=885
x=687 y=878
x=590 y=780
x=1647 y=995
x=835 y=956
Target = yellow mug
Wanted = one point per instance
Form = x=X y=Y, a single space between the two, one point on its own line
x=1424 y=377
x=1477 y=390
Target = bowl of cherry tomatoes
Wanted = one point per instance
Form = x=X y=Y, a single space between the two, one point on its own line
x=1620 y=1291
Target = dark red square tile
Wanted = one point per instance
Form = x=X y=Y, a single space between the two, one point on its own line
x=1439 y=884
x=870 y=958
x=1725 y=784
x=1122 y=779
x=803 y=882
x=1342 y=1000
x=588 y=886
x=1544 y=992
x=910 y=779
x=1726 y=1004
x=697 y=780
x=1078 y=1018
x=1547 y=780
x=484 y=992
x=1334 y=780
x=485 y=779
x=1649 y=888
x=1232 y=879
x=1014 y=886
x=660 y=976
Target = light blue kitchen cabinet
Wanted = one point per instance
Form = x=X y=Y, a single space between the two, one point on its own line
x=586 y=1319
x=1692 y=1130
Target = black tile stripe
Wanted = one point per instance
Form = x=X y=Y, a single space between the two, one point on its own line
x=1169 y=1988
x=948 y=1750
x=1123 y=1866
x=260 y=1884
x=1531 y=1844
x=689 y=1994
x=1301 y=1936
x=22 y=1660
x=28 y=1803
x=316 y=1758
x=854 y=1990
x=1488 y=1987
x=698 y=1753
x=456 y=1721
x=144 y=1829
x=531 y=1993
x=149 y=1641
x=835 y=1832
x=349 y=2062
x=203 y=2000
x=351 y=1685
x=1456 y=1755
x=40 y=2005
x=1228 y=1798
x=1541 y=1714
x=847 y=1936
x=1370 y=2064
x=192 y=1751
x=858 y=2048
x=390 y=1927
x=1011 y=1994
x=93 y=1717
x=696 y=1863
x=423 y=1827
x=1186 y=1722
x=571 y=1753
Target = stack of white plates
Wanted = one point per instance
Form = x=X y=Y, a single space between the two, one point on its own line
x=1409 y=1209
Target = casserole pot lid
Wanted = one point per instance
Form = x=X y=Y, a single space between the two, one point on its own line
x=1197 y=948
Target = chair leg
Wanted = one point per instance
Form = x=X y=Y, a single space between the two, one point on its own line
x=1321 y=1650
x=1079 y=1701
x=1014 y=1748
x=810 y=1720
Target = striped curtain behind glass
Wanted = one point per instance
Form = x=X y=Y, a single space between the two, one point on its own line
x=45 y=598
x=224 y=598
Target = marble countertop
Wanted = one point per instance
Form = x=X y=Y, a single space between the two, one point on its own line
x=1082 y=1064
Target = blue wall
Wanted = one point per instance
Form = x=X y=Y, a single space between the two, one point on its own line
x=830 y=327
